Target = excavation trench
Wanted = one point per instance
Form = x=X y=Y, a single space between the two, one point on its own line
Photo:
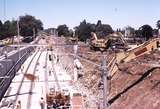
x=116 y=97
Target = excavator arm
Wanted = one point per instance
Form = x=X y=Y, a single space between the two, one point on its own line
x=132 y=54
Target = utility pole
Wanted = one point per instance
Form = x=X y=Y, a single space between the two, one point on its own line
x=18 y=36
x=75 y=48
x=104 y=78
x=34 y=33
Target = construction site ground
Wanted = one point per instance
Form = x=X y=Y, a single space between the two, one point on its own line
x=135 y=85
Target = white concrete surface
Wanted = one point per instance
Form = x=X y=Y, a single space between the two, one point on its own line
x=44 y=81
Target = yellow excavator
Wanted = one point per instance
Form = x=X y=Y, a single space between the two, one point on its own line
x=8 y=41
x=98 y=44
x=127 y=54
x=133 y=53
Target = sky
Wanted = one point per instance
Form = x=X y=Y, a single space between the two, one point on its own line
x=117 y=13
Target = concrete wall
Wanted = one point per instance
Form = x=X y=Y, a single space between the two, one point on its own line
x=9 y=67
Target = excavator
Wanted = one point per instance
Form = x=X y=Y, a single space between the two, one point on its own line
x=126 y=54
x=7 y=41
x=114 y=40
x=130 y=54
x=98 y=44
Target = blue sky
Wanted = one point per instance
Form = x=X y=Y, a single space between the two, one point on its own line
x=117 y=13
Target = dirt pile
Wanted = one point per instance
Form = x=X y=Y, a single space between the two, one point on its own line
x=138 y=85
x=135 y=85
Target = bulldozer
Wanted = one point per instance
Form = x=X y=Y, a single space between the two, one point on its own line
x=8 y=41
x=114 y=40
x=98 y=44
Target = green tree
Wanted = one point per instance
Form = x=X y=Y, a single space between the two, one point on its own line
x=102 y=30
x=1 y=25
x=147 y=31
x=1 y=29
x=138 y=33
x=158 y=26
x=63 y=30
x=29 y=24
x=13 y=28
x=131 y=30
x=83 y=31
x=6 y=29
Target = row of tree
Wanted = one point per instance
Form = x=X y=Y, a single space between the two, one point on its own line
x=102 y=30
x=8 y=29
x=84 y=29
x=28 y=25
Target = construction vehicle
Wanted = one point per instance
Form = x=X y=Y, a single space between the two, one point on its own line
x=8 y=41
x=130 y=54
x=114 y=40
x=98 y=44
x=117 y=41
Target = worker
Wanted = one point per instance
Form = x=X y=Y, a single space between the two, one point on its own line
x=50 y=73
x=42 y=103
x=57 y=58
x=18 y=106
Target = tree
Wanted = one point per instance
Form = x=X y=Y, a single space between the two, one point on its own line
x=71 y=33
x=102 y=30
x=130 y=30
x=63 y=30
x=138 y=33
x=8 y=29
x=29 y=24
x=83 y=31
x=147 y=31
x=1 y=25
x=1 y=29
x=158 y=26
